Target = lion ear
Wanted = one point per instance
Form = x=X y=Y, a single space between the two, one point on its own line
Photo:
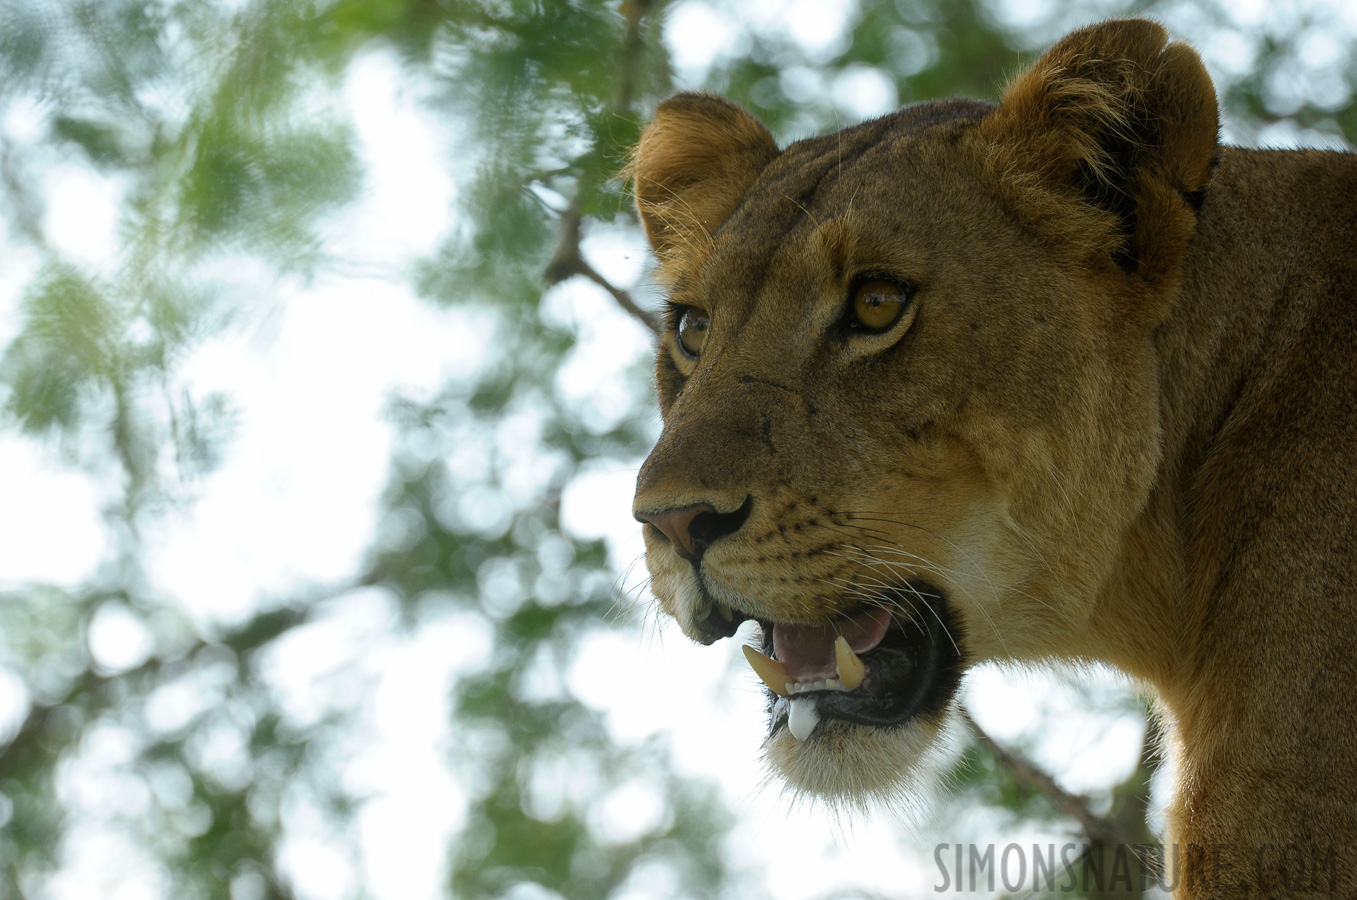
x=1125 y=123
x=693 y=164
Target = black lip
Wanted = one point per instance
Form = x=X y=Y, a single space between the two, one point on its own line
x=913 y=672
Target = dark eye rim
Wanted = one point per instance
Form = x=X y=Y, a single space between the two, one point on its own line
x=678 y=313
x=851 y=323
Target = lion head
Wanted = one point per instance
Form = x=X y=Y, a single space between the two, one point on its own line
x=908 y=383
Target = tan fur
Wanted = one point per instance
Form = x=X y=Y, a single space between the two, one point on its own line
x=1119 y=423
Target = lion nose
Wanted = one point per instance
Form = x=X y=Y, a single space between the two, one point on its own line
x=692 y=529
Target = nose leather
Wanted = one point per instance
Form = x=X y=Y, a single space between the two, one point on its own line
x=676 y=524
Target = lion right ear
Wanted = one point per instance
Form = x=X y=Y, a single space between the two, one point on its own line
x=694 y=163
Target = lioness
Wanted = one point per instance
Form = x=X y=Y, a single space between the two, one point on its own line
x=1057 y=378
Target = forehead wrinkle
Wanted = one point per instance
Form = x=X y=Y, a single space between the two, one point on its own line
x=831 y=252
x=778 y=206
x=802 y=189
x=826 y=246
x=831 y=241
x=775 y=264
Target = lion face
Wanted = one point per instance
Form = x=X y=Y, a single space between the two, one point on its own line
x=907 y=419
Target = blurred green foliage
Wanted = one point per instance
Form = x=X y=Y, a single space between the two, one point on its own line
x=221 y=125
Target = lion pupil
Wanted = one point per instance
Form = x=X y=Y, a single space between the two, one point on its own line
x=877 y=305
x=693 y=331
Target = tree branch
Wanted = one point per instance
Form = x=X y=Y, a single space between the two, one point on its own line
x=567 y=261
x=629 y=57
x=102 y=689
x=1097 y=828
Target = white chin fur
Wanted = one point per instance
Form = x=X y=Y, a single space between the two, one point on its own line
x=843 y=764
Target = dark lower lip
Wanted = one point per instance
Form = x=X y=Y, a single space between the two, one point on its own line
x=912 y=673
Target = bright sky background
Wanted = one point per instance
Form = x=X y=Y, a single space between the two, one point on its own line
x=286 y=510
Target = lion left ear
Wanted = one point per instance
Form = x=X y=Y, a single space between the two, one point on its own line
x=1122 y=122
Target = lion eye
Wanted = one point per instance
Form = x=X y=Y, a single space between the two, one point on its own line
x=692 y=331
x=877 y=305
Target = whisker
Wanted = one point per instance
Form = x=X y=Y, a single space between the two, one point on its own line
x=623 y=601
x=1035 y=550
x=900 y=580
x=907 y=586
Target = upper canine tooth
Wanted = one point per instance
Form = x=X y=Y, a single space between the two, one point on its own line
x=726 y=612
x=851 y=669
x=772 y=672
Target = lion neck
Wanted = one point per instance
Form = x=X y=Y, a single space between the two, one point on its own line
x=1236 y=594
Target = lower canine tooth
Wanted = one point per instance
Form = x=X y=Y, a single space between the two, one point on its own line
x=772 y=672
x=851 y=669
x=802 y=717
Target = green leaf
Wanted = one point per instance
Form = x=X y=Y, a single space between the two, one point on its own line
x=63 y=353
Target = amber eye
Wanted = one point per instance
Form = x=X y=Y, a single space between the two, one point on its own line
x=692 y=331
x=877 y=305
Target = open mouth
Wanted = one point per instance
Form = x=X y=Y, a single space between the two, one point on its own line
x=895 y=659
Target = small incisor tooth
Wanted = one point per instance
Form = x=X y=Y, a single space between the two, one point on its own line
x=851 y=669
x=772 y=672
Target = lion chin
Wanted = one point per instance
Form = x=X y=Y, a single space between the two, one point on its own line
x=846 y=765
